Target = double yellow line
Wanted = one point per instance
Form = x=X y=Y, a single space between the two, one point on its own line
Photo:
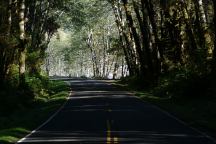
x=110 y=138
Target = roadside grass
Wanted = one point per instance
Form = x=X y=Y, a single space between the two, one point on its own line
x=197 y=112
x=22 y=121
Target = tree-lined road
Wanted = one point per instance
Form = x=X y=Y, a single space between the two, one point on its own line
x=97 y=112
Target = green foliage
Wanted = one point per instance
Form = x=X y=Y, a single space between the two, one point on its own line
x=188 y=84
x=56 y=87
x=35 y=85
x=13 y=96
x=13 y=75
x=19 y=122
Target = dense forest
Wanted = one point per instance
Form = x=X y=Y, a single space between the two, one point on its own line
x=145 y=40
x=164 y=47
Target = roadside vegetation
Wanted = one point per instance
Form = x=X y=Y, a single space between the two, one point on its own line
x=165 y=48
x=18 y=118
x=187 y=96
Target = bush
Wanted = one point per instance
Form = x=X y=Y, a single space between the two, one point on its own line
x=34 y=88
x=14 y=96
x=137 y=83
x=13 y=76
x=186 y=84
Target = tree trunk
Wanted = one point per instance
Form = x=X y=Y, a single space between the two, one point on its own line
x=22 y=49
x=189 y=30
x=116 y=66
x=201 y=26
x=9 y=17
x=214 y=51
x=104 y=55
x=124 y=38
x=5 y=50
x=157 y=51
x=136 y=38
x=145 y=32
x=90 y=43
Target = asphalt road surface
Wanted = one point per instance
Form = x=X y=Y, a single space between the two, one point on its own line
x=98 y=113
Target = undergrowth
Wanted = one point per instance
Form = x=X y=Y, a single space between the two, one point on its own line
x=19 y=116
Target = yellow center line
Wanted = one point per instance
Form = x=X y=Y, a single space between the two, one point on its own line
x=115 y=139
x=110 y=140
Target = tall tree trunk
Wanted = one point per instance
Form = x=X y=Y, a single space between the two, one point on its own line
x=203 y=15
x=198 y=24
x=214 y=51
x=22 y=37
x=189 y=30
x=5 y=51
x=157 y=51
x=124 y=38
x=9 y=17
x=116 y=66
x=90 y=43
x=136 y=38
x=104 y=55
x=145 y=32
x=214 y=27
x=201 y=26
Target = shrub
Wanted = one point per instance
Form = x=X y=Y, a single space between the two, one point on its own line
x=186 y=84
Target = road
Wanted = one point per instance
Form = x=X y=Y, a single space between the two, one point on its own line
x=99 y=113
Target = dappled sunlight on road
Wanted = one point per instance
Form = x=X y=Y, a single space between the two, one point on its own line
x=99 y=113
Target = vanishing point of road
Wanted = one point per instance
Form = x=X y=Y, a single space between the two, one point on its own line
x=99 y=113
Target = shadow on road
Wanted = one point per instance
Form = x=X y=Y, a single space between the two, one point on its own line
x=98 y=112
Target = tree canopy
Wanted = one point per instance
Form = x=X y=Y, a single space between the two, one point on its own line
x=145 y=39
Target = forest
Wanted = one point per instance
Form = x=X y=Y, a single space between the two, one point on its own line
x=141 y=39
x=165 y=45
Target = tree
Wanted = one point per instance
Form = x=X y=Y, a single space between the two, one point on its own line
x=214 y=23
x=22 y=39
